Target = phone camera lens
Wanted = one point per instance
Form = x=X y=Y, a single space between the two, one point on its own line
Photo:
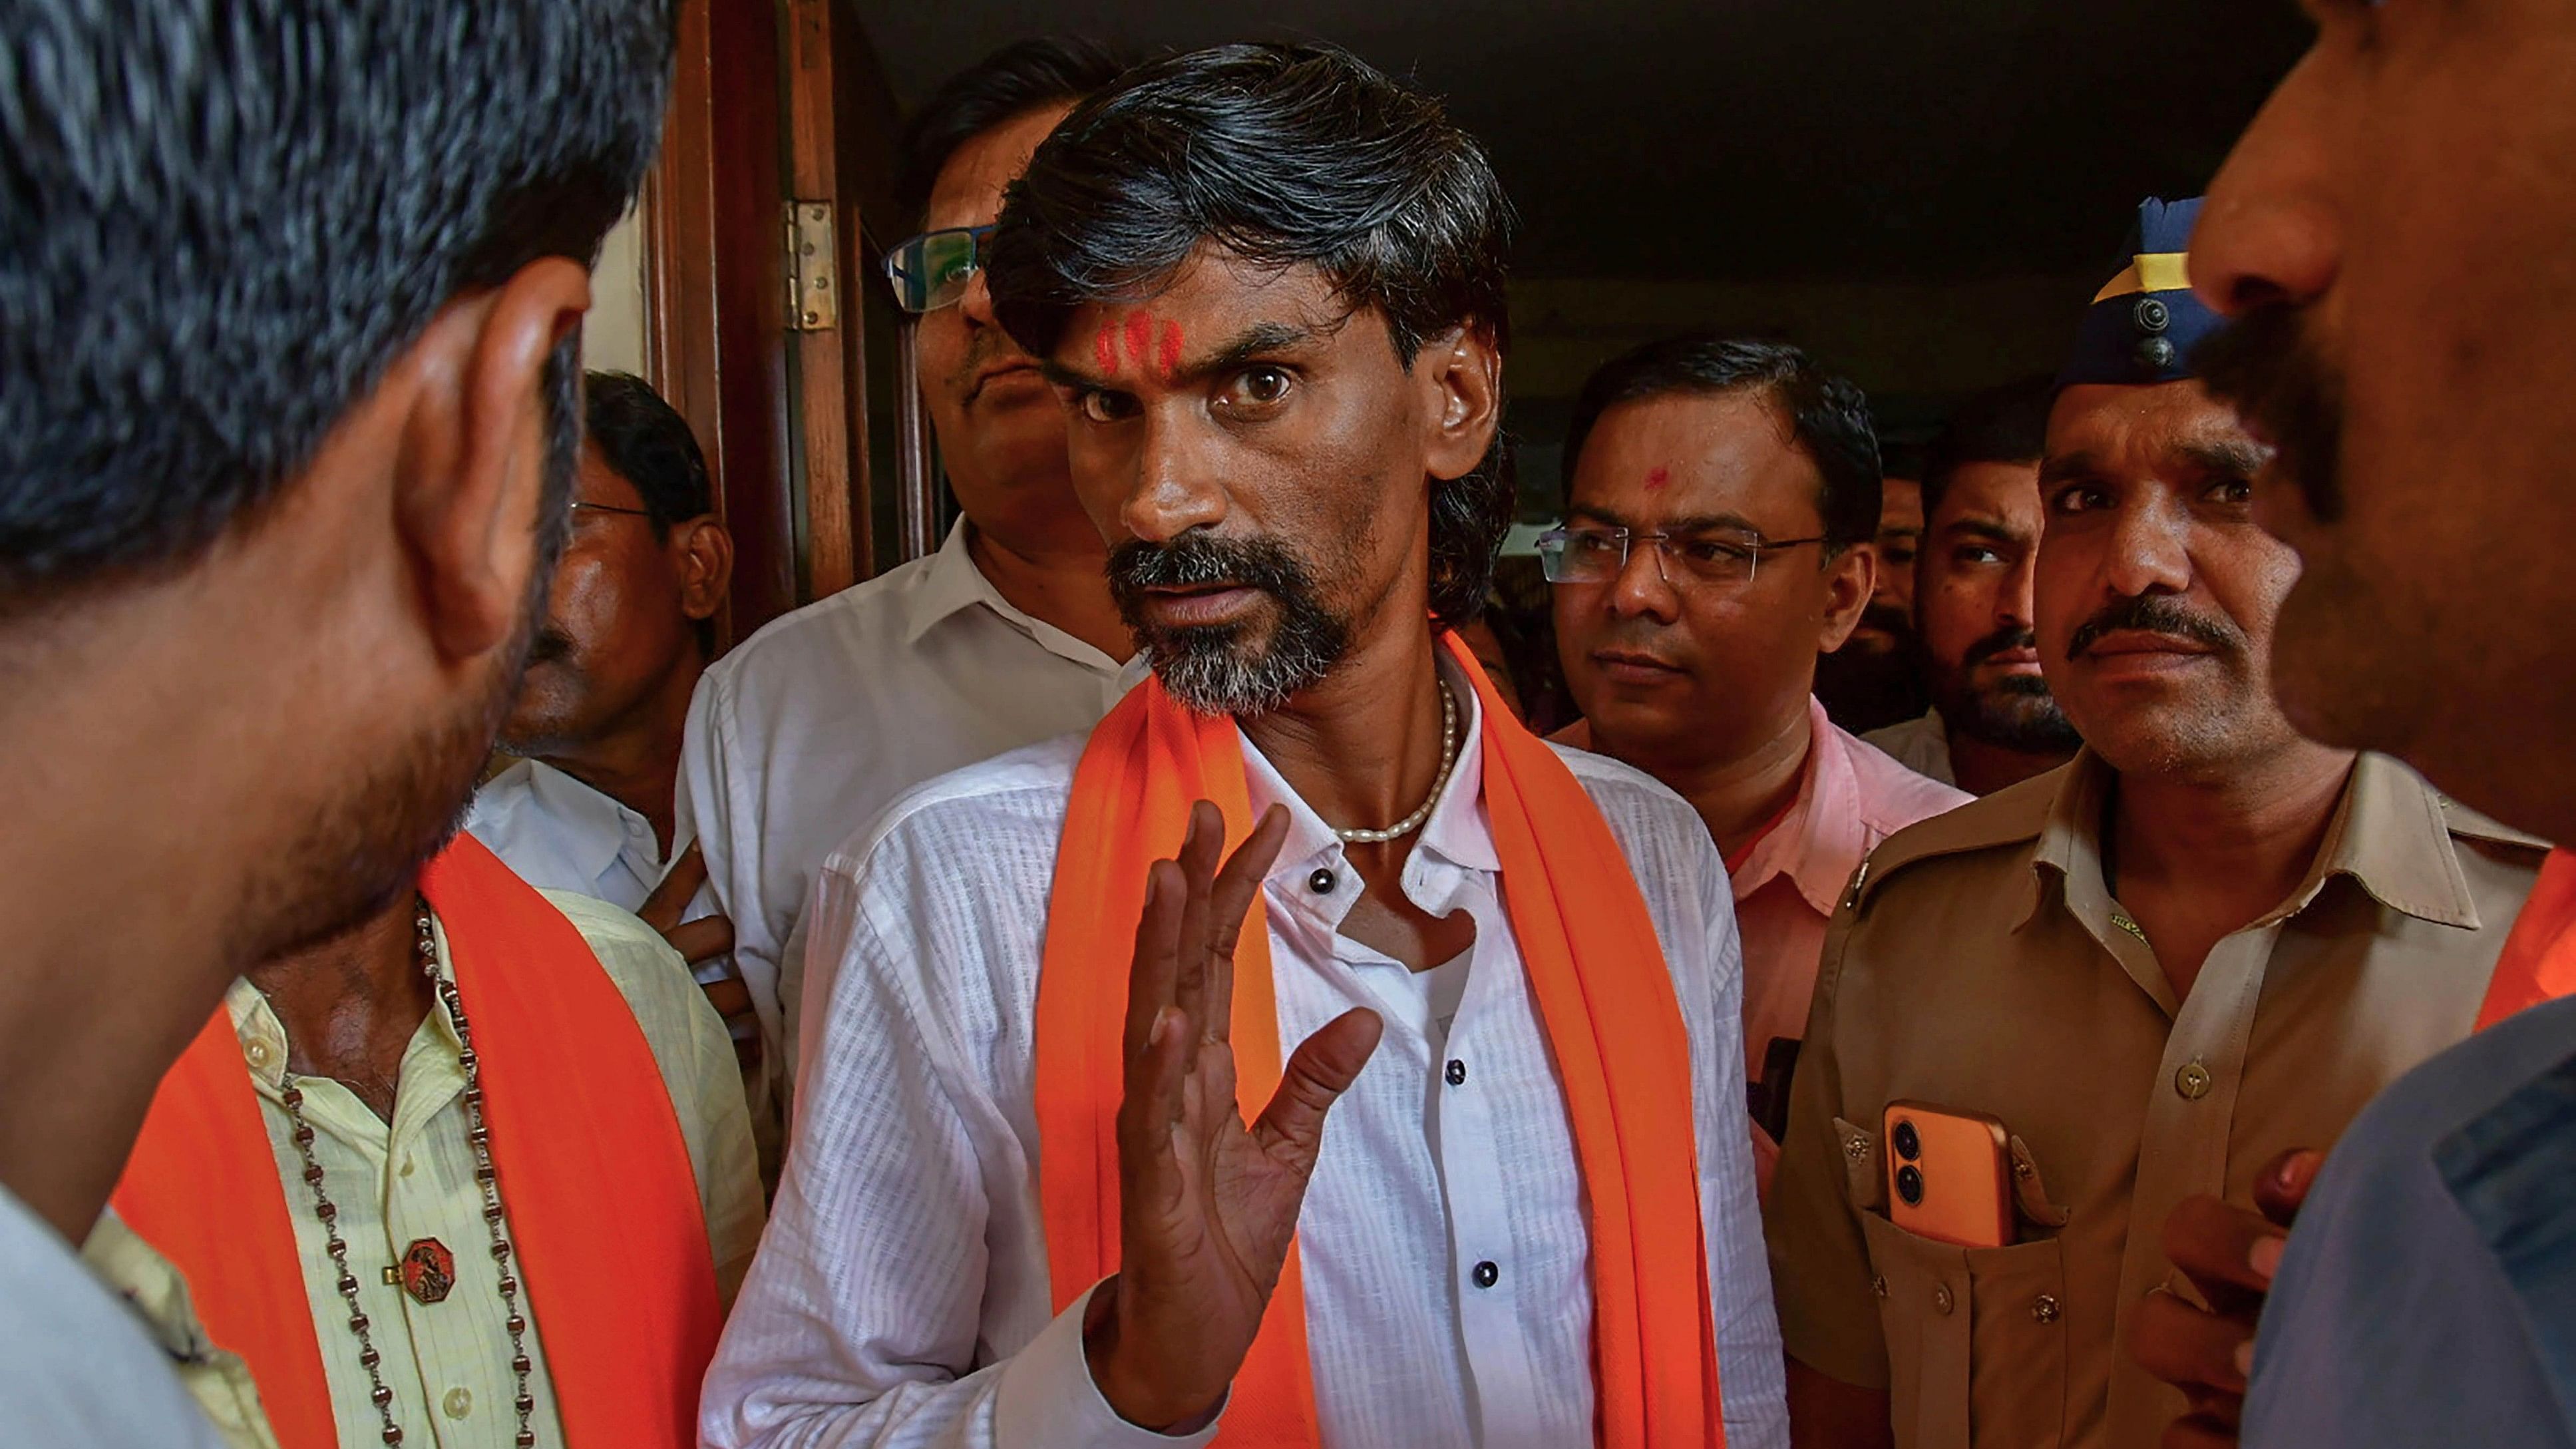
x=1909 y=1143
x=1909 y=1185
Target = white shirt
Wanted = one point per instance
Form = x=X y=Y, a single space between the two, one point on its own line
x=559 y=834
x=75 y=1366
x=1921 y=744
x=806 y=730
x=393 y=1183
x=901 y=1295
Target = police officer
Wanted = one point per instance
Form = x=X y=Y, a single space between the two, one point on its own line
x=2204 y=941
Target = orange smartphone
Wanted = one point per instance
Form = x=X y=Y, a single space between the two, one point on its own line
x=1949 y=1174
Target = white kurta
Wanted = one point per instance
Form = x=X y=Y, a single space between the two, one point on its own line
x=901 y=1295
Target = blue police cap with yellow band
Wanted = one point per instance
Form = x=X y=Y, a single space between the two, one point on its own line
x=2143 y=325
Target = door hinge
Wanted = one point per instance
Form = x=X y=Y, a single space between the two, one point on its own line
x=813 y=274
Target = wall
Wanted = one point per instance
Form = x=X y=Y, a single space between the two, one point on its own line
x=612 y=336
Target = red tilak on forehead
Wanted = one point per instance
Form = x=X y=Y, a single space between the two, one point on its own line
x=1169 y=359
x=1104 y=350
x=1140 y=339
x=1658 y=478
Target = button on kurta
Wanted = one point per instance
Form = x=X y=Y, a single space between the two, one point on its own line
x=1943 y=1301
x=2193 y=1081
x=2044 y=1309
x=1487 y=1274
x=458 y=1403
x=1457 y=1073
x=1321 y=882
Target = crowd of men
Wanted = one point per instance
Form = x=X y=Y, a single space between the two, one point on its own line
x=1132 y=977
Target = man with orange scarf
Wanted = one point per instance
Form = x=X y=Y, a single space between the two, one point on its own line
x=1063 y=1174
x=478 y=1170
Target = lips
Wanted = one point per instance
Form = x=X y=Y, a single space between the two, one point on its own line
x=2126 y=642
x=1182 y=606
x=1634 y=666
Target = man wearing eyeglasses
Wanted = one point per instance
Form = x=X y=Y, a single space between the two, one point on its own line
x=1722 y=502
x=1004 y=637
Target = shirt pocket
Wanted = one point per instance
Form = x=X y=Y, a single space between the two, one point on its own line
x=1976 y=1340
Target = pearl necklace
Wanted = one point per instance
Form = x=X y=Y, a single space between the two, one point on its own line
x=493 y=1216
x=1448 y=762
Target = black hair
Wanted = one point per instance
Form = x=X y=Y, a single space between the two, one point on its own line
x=1021 y=77
x=1285 y=156
x=2007 y=424
x=220 y=220
x=1827 y=414
x=648 y=443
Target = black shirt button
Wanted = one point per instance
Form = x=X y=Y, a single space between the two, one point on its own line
x=1321 y=882
x=1487 y=1275
x=1457 y=1072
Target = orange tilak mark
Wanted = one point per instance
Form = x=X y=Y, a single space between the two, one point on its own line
x=1658 y=478
x=1104 y=350
x=1169 y=359
x=1140 y=339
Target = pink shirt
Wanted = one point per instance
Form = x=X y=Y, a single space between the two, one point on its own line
x=1854 y=795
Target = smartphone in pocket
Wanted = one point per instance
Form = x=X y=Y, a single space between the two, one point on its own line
x=1949 y=1174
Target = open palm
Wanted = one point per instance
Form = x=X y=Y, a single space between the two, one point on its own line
x=1208 y=1203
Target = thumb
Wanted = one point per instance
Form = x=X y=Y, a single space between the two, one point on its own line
x=679 y=885
x=2281 y=1188
x=1291 y=1128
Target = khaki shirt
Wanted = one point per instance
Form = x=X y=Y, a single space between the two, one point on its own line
x=1979 y=963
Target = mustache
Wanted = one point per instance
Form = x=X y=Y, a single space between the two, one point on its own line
x=2155 y=614
x=2265 y=366
x=1195 y=560
x=549 y=645
x=2002 y=641
x=1887 y=618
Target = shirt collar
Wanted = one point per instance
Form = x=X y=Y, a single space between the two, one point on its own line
x=600 y=825
x=263 y=1036
x=952 y=584
x=1819 y=843
x=2388 y=835
x=1457 y=833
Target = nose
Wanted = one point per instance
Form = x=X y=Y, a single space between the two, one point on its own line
x=2149 y=548
x=2269 y=232
x=2014 y=603
x=977 y=305
x=1641 y=591
x=1173 y=479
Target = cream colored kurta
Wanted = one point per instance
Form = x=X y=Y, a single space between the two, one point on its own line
x=448 y=1363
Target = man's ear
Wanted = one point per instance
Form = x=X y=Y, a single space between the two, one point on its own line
x=1463 y=373
x=1850 y=577
x=705 y=556
x=471 y=471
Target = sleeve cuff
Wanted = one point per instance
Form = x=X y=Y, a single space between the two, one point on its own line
x=1046 y=1397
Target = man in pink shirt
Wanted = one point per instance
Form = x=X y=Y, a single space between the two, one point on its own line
x=1722 y=499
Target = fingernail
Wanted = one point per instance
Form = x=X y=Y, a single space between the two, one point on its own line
x=1164 y=1021
x=2245 y=1358
x=2265 y=1259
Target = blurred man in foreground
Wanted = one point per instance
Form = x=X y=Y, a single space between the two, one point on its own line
x=274 y=530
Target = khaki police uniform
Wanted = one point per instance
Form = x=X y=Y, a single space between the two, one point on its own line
x=1978 y=962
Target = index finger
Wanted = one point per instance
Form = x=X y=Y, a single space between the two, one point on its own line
x=679 y=885
x=1236 y=887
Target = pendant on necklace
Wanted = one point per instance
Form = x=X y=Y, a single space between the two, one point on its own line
x=428 y=1271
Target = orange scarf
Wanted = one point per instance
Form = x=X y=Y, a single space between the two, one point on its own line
x=602 y=1200
x=2539 y=959
x=1604 y=997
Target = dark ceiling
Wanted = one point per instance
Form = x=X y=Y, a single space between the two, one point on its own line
x=1760 y=139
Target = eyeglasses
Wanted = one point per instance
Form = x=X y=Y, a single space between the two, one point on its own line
x=931 y=271
x=1596 y=555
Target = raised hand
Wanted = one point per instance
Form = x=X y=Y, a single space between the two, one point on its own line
x=1207 y=1204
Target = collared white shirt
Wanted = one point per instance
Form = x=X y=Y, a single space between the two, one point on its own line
x=901 y=1296
x=447 y=1363
x=559 y=834
x=807 y=729
x=1920 y=744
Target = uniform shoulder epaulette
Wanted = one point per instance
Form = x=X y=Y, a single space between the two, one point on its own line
x=2008 y=817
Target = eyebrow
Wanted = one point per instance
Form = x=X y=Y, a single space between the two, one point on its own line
x=1988 y=528
x=1259 y=339
x=2240 y=456
x=2065 y=466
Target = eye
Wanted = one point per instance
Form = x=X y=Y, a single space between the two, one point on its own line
x=1899 y=554
x=1714 y=550
x=2234 y=492
x=1262 y=385
x=1969 y=555
x=2080 y=498
x=1590 y=541
x=1100 y=405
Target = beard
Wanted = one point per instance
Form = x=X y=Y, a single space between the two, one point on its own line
x=1230 y=669
x=2263 y=366
x=364 y=845
x=2016 y=712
